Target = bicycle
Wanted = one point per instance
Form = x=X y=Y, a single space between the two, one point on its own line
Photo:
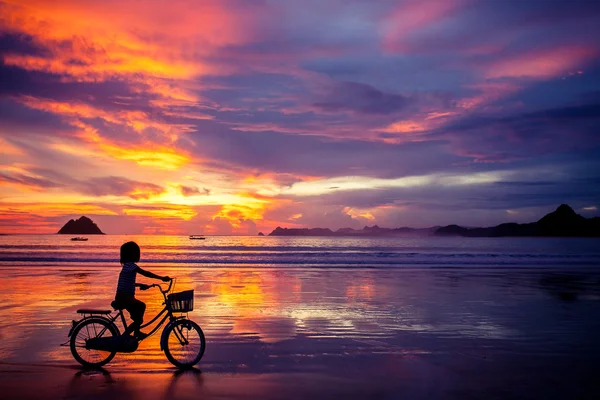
x=95 y=339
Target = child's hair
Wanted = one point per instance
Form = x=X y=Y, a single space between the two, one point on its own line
x=130 y=252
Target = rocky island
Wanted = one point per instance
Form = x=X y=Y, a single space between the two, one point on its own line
x=81 y=226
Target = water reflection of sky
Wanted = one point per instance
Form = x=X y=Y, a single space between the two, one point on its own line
x=270 y=311
x=300 y=326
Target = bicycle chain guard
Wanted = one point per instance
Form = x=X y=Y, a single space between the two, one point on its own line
x=121 y=344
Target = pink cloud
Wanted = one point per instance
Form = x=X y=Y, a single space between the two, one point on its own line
x=541 y=64
x=411 y=17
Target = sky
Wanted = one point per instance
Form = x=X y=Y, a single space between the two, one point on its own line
x=235 y=116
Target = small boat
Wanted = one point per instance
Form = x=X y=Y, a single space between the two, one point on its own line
x=197 y=237
x=79 y=239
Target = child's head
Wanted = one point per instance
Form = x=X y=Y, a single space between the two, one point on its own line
x=130 y=252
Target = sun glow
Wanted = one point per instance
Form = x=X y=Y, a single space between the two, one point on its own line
x=179 y=212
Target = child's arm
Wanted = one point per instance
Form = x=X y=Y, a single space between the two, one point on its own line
x=149 y=274
x=142 y=286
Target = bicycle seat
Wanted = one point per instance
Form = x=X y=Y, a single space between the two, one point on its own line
x=92 y=311
x=115 y=305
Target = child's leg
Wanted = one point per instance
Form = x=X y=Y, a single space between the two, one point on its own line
x=136 y=310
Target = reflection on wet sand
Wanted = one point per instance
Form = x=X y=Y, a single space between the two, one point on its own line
x=188 y=382
x=367 y=330
x=101 y=383
x=97 y=383
x=255 y=303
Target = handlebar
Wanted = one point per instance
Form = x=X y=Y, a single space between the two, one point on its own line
x=160 y=287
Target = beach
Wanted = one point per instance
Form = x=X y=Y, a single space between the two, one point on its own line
x=439 y=332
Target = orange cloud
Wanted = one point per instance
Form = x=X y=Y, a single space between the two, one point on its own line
x=138 y=121
x=55 y=209
x=159 y=212
x=115 y=38
x=235 y=213
x=9 y=149
x=152 y=154
x=144 y=193
x=359 y=214
x=243 y=216
x=156 y=156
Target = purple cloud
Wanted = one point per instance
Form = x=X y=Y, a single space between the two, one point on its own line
x=360 y=98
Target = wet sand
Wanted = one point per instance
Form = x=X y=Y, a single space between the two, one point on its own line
x=438 y=333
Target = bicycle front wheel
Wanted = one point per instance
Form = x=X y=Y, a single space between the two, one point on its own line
x=89 y=329
x=185 y=343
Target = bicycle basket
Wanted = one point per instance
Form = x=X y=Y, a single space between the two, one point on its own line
x=182 y=301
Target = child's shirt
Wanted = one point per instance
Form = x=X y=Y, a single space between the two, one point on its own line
x=127 y=278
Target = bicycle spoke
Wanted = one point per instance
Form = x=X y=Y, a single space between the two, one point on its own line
x=91 y=329
x=185 y=343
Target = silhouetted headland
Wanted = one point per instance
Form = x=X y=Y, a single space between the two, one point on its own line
x=562 y=222
x=81 y=226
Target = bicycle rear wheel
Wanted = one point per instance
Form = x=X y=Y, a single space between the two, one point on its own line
x=185 y=343
x=92 y=328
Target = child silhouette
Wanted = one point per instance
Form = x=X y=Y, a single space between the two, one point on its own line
x=125 y=297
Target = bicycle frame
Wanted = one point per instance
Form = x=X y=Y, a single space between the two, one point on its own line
x=167 y=309
x=169 y=316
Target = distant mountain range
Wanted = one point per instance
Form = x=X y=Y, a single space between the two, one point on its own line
x=81 y=226
x=562 y=222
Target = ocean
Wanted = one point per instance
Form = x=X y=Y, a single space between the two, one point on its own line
x=302 y=252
